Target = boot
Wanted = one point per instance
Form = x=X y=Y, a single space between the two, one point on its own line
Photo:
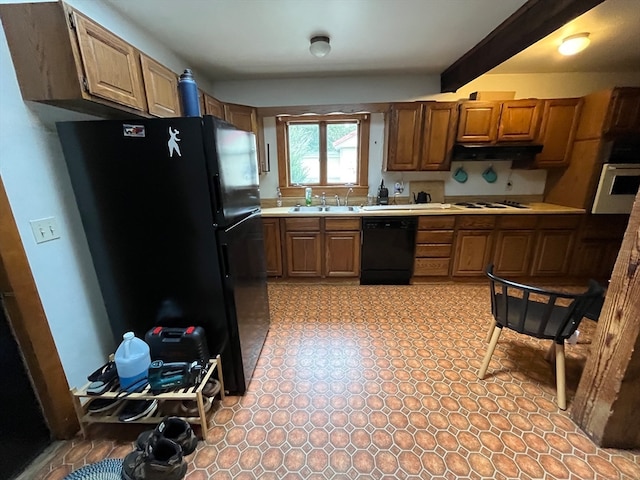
x=161 y=460
x=173 y=428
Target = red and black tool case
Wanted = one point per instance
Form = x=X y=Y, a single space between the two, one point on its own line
x=177 y=344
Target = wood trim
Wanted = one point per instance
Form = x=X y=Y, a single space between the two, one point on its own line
x=531 y=22
x=29 y=323
x=348 y=108
x=283 y=166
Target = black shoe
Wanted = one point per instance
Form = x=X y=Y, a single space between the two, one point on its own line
x=103 y=379
x=103 y=404
x=136 y=409
x=160 y=460
x=173 y=428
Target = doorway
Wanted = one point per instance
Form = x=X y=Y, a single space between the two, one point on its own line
x=24 y=431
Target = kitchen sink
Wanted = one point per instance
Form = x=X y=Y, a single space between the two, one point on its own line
x=341 y=209
x=327 y=209
x=305 y=209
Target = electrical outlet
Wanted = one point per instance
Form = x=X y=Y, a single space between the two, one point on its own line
x=45 y=229
x=509 y=185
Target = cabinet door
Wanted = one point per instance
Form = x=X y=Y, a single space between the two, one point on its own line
x=111 y=65
x=405 y=128
x=213 y=106
x=519 y=120
x=304 y=254
x=440 y=123
x=161 y=87
x=623 y=116
x=595 y=258
x=472 y=253
x=559 y=122
x=342 y=254
x=553 y=248
x=272 y=247
x=242 y=116
x=478 y=121
x=513 y=252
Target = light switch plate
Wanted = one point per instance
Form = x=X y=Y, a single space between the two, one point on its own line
x=45 y=229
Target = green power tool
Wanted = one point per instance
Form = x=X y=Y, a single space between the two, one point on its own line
x=170 y=376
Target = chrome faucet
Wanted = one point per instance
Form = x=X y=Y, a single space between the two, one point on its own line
x=346 y=198
x=323 y=200
x=337 y=200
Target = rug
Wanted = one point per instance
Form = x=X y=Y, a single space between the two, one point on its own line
x=109 y=469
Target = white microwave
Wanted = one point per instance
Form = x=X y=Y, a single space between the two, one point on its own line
x=617 y=188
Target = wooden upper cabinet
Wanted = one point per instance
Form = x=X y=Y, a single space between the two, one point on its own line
x=478 y=121
x=519 y=120
x=405 y=129
x=111 y=65
x=559 y=122
x=439 y=132
x=242 y=116
x=213 y=106
x=161 y=87
x=623 y=116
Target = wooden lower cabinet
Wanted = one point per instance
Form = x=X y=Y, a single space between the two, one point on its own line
x=304 y=254
x=342 y=254
x=272 y=246
x=472 y=252
x=321 y=247
x=512 y=254
x=595 y=258
x=553 y=252
x=433 y=246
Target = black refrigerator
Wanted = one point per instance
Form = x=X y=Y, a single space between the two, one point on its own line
x=171 y=212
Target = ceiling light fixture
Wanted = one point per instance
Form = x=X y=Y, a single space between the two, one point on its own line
x=574 y=43
x=319 y=46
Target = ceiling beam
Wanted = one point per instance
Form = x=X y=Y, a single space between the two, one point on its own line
x=534 y=20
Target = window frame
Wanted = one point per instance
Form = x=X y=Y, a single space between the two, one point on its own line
x=360 y=188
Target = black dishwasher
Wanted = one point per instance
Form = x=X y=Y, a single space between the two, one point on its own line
x=388 y=245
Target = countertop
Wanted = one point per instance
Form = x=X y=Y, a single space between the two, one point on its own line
x=536 y=208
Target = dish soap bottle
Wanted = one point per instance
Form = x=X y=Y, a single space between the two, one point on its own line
x=307 y=196
x=279 y=200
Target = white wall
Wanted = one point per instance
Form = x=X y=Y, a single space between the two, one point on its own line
x=34 y=174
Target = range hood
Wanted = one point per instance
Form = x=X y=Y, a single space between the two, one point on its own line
x=499 y=151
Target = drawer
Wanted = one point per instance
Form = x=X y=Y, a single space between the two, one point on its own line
x=433 y=250
x=436 y=223
x=484 y=222
x=435 y=236
x=302 y=224
x=559 y=221
x=517 y=222
x=340 y=224
x=431 y=266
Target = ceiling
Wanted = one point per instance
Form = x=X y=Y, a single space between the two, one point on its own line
x=253 y=39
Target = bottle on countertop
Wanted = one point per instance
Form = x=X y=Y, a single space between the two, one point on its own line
x=307 y=196
x=279 y=199
x=189 y=97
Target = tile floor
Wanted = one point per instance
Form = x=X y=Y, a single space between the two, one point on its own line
x=379 y=382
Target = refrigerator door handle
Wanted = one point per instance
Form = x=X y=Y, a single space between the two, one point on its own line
x=225 y=260
x=217 y=192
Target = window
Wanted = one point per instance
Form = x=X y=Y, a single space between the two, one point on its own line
x=328 y=151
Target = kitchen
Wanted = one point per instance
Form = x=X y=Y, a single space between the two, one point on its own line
x=40 y=162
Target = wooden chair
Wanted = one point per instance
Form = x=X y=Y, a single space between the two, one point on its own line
x=539 y=313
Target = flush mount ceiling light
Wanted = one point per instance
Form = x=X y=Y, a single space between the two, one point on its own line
x=574 y=43
x=319 y=46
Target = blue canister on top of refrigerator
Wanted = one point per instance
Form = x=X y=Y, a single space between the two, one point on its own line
x=189 y=98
